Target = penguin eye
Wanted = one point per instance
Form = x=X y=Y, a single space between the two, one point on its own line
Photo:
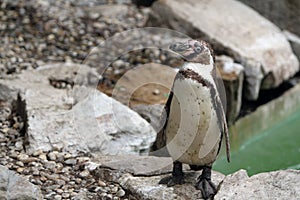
x=198 y=49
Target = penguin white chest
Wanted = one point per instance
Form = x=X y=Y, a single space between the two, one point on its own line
x=192 y=132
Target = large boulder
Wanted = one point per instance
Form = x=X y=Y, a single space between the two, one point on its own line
x=13 y=186
x=284 y=13
x=96 y=123
x=109 y=127
x=271 y=185
x=232 y=27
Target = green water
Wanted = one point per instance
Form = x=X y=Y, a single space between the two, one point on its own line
x=275 y=148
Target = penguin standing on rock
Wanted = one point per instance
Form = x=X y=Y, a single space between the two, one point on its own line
x=196 y=122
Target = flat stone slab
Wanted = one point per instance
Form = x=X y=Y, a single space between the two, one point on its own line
x=236 y=29
x=13 y=186
x=139 y=175
x=282 y=184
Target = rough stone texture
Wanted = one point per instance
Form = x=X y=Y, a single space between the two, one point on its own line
x=233 y=76
x=295 y=42
x=110 y=127
x=272 y=185
x=284 y=13
x=137 y=175
x=95 y=123
x=140 y=175
x=148 y=187
x=70 y=73
x=136 y=165
x=232 y=27
x=152 y=113
x=14 y=187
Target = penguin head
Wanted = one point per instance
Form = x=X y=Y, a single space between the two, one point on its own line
x=194 y=51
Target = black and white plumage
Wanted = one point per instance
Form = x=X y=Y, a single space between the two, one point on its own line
x=196 y=120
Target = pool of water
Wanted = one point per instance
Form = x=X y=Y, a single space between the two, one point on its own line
x=277 y=147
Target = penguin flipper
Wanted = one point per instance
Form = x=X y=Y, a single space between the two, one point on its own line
x=159 y=148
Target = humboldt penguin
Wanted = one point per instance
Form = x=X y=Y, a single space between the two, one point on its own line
x=195 y=121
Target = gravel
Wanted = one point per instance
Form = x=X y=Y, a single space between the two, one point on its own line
x=33 y=33
x=60 y=175
x=37 y=31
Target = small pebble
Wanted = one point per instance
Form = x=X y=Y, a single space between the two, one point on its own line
x=121 y=193
x=67 y=156
x=57 y=197
x=101 y=183
x=21 y=164
x=59 y=191
x=65 y=195
x=43 y=157
x=37 y=153
x=52 y=156
x=22 y=157
x=84 y=174
x=114 y=189
x=20 y=169
x=71 y=161
x=156 y=92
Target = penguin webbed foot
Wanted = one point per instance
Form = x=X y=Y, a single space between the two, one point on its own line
x=204 y=183
x=177 y=177
x=172 y=180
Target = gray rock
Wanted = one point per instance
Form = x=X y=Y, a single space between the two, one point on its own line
x=140 y=176
x=272 y=185
x=13 y=186
x=95 y=123
x=233 y=76
x=110 y=127
x=232 y=27
x=295 y=42
x=152 y=113
x=284 y=13
x=148 y=187
x=71 y=73
x=136 y=165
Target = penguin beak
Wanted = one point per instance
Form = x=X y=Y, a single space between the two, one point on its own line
x=179 y=47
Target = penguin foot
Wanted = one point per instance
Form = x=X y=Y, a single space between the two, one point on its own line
x=172 y=180
x=204 y=183
x=177 y=176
